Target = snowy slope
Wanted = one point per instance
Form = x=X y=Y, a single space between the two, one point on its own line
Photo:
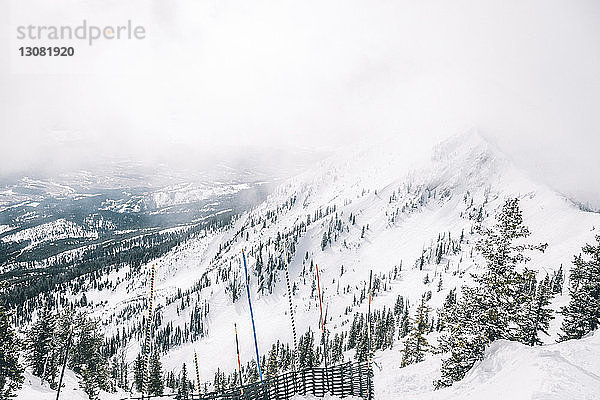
x=34 y=389
x=509 y=370
x=362 y=183
x=408 y=201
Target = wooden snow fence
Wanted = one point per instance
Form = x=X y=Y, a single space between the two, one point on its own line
x=348 y=379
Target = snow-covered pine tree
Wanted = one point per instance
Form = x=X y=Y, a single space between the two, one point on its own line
x=122 y=378
x=11 y=372
x=337 y=349
x=40 y=354
x=362 y=347
x=183 y=390
x=138 y=372
x=171 y=382
x=582 y=314
x=390 y=330
x=252 y=372
x=462 y=339
x=404 y=325
x=307 y=354
x=86 y=357
x=558 y=280
x=155 y=378
x=535 y=315
x=490 y=310
x=272 y=365
x=88 y=383
x=500 y=287
x=399 y=306
x=416 y=345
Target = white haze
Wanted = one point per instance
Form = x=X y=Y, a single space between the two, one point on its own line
x=311 y=74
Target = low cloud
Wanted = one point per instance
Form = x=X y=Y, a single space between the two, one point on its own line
x=312 y=74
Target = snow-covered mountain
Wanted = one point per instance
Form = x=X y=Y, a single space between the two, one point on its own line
x=405 y=214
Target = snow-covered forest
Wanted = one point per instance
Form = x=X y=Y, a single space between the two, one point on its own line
x=484 y=283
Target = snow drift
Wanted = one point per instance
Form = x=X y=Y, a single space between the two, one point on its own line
x=509 y=370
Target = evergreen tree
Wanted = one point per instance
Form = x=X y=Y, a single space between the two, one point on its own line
x=183 y=390
x=138 y=372
x=307 y=354
x=88 y=382
x=155 y=379
x=11 y=372
x=40 y=350
x=399 y=306
x=337 y=349
x=63 y=340
x=582 y=314
x=404 y=323
x=272 y=365
x=252 y=372
x=557 y=282
x=362 y=345
x=86 y=357
x=121 y=364
x=416 y=344
x=490 y=310
x=535 y=315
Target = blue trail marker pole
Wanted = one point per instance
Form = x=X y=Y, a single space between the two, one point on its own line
x=252 y=316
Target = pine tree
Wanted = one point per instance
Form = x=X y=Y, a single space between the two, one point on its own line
x=490 y=310
x=337 y=349
x=416 y=345
x=500 y=287
x=138 y=372
x=11 y=372
x=86 y=357
x=272 y=366
x=399 y=306
x=252 y=375
x=582 y=314
x=404 y=323
x=535 y=315
x=40 y=354
x=63 y=340
x=122 y=378
x=155 y=379
x=183 y=390
x=557 y=282
x=362 y=345
x=88 y=382
x=307 y=354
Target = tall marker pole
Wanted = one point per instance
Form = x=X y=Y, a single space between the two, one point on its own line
x=62 y=372
x=252 y=316
x=289 y=290
x=148 y=328
x=369 y=339
x=322 y=321
x=320 y=300
x=197 y=372
x=237 y=349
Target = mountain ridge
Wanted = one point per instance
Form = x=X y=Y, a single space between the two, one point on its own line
x=407 y=216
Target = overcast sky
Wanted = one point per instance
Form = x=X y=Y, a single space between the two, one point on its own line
x=313 y=74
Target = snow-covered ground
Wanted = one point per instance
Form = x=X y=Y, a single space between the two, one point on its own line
x=34 y=389
x=403 y=201
x=566 y=370
x=510 y=370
